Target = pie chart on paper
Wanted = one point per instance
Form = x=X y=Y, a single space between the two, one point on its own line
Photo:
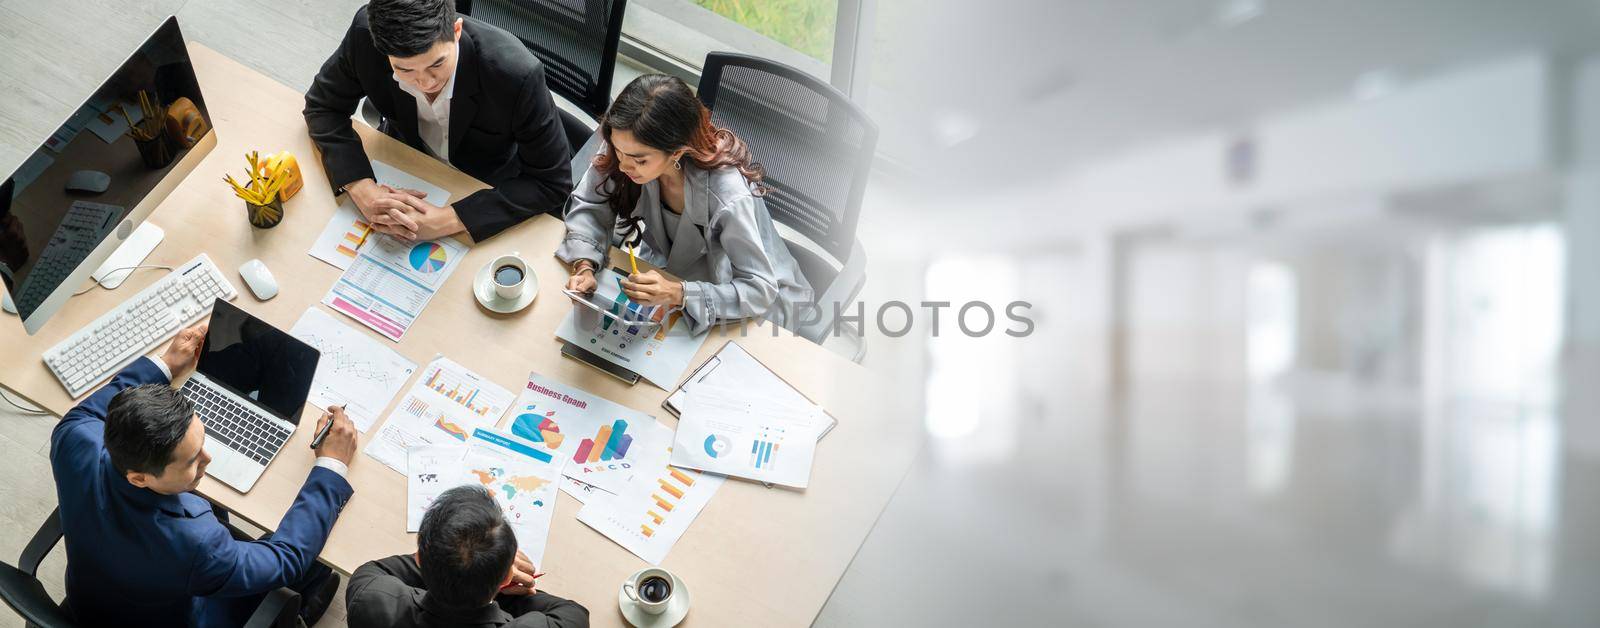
x=428 y=257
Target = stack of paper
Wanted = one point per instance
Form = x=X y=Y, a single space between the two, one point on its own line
x=521 y=478
x=446 y=405
x=747 y=434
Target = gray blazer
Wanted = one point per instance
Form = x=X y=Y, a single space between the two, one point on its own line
x=732 y=262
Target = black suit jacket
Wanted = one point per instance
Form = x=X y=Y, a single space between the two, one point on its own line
x=388 y=593
x=504 y=129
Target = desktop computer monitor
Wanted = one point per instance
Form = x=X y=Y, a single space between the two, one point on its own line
x=75 y=199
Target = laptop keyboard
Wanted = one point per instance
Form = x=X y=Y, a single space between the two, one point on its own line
x=234 y=424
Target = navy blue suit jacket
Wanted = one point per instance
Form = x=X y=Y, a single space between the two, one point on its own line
x=139 y=558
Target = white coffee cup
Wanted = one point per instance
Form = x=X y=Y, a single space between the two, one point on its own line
x=651 y=589
x=510 y=275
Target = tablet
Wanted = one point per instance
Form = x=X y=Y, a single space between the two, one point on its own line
x=619 y=308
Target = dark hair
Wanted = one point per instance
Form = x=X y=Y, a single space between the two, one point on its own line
x=407 y=28
x=664 y=114
x=144 y=425
x=465 y=547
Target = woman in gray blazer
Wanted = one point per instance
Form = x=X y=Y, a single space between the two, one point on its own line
x=689 y=194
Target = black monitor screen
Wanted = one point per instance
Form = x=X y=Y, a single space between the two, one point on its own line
x=47 y=229
x=256 y=360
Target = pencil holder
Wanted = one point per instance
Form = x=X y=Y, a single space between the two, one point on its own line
x=265 y=216
x=156 y=152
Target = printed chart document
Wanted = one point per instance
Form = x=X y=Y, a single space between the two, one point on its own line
x=344 y=234
x=446 y=404
x=603 y=441
x=743 y=434
x=653 y=511
x=391 y=281
x=658 y=353
x=733 y=367
x=430 y=471
x=521 y=479
x=355 y=371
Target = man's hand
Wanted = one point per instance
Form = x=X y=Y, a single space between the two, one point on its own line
x=522 y=577
x=433 y=222
x=652 y=288
x=184 y=352
x=383 y=207
x=341 y=441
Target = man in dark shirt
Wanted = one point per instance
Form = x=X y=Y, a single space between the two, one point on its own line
x=467 y=93
x=466 y=572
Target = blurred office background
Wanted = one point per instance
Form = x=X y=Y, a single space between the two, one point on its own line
x=1316 y=289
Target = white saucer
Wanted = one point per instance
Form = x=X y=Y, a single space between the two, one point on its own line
x=483 y=289
x=677 y=609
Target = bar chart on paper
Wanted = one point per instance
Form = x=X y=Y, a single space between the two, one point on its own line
x=444 y=405
x=457 y=390
x=654 y=510
x=604 y=441
x=659 y=353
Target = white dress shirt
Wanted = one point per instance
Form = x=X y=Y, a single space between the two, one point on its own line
x=433 y=118
x=325 y=462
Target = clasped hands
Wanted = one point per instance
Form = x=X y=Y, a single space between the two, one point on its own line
x=401 y=212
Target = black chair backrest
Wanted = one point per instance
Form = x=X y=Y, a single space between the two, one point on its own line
x=26 y=595
x=815 y=144
x=576 y=40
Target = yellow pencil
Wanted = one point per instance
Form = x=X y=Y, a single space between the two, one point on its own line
x=632 y=261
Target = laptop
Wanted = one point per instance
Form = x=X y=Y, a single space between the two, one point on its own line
x=249 y=389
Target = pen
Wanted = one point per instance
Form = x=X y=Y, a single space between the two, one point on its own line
x=632 y=261
x=367 y=231
x=322 y=434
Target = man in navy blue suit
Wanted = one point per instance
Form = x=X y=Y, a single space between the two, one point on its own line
x=142 y=549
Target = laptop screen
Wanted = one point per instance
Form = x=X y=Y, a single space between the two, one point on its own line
x=257 y=361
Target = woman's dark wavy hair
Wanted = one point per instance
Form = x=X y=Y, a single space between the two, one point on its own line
x=663 y=113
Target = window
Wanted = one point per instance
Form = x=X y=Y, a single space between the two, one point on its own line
x=798 y=33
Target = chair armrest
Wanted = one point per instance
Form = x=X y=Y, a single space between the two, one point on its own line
x=844 y=289
x=279 y=608
x=43 y=541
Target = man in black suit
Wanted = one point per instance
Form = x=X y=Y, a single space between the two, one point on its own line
x=466 y=572
x=462 y=91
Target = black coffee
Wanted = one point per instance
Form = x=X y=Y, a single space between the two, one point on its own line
x=507 y=275
x=654 y=589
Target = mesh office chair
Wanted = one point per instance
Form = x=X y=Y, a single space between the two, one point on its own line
x=575 y=39
x=22 y=591
x=817 y=149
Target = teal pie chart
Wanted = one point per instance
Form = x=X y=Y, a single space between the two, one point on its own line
x=716 y=445
x=428 y=257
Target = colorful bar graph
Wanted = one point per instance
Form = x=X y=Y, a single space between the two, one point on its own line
x=603 y=437
x=611 y=443
x=761 y=453
x=668 y=487
x=433 y=378
x=681 y=477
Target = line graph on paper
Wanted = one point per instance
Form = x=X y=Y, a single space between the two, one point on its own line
x=355 y=370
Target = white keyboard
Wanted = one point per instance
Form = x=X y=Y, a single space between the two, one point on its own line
x=120 y=336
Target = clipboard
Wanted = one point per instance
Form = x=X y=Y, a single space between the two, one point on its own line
x=732 y=366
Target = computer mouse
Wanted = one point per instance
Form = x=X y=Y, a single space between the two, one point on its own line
x=7 y=305
x=259 y=279
x=91 y=181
